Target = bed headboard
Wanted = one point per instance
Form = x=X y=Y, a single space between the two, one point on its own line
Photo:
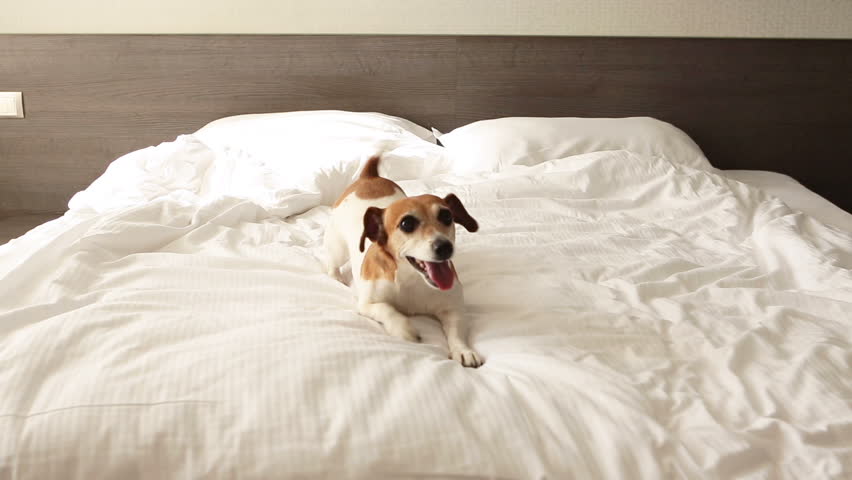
x=783 y=105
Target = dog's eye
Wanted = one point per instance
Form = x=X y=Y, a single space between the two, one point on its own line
x=408 y=224
x=445 y=217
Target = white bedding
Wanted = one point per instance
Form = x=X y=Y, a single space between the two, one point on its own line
x=795 y=195
x=639 y=319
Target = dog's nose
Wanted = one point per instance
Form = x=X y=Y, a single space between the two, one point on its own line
x=443 y=249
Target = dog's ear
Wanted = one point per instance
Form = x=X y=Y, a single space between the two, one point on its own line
x=374 y=227
x=460 y=215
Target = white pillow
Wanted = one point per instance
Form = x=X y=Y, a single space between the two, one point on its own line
x=491 y=145
x=318 y=151
x=273 y=136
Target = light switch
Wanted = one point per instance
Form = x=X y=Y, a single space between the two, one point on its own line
x=11 y=105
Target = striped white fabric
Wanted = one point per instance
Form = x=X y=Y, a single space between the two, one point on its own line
x=639 y=319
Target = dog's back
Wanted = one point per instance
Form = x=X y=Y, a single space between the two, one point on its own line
x=369 y=185
x=343 y=236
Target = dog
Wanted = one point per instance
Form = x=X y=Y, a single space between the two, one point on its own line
x=406 y=267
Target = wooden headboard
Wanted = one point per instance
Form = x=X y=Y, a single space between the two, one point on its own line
x=782 y=105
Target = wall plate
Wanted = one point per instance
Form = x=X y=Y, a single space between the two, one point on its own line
x=11 y=105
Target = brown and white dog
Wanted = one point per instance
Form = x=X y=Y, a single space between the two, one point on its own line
x=406 y=269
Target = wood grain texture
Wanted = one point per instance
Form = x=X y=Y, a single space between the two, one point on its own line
x=14 y=226
x=782 y=105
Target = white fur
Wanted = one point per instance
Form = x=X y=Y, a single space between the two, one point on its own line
x=391 y=302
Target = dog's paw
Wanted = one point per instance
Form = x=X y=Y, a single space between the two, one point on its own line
x=467 y=357
x=405 y=332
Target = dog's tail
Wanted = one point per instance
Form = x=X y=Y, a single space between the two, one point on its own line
x=371 y=168
x=380 y=148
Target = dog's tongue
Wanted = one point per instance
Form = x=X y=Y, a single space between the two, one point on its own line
x=441 y=274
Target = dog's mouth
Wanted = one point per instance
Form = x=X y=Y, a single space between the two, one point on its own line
x=437 y=274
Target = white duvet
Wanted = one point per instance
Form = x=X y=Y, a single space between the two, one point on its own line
x=638 y=320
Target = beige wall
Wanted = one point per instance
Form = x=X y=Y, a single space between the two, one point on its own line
x=692 y=18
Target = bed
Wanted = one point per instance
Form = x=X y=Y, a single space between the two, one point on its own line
x=642 y=311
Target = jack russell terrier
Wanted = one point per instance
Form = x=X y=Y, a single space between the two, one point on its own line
x=405 y=269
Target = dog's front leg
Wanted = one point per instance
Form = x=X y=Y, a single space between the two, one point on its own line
x=456 y=330
x=394 y=322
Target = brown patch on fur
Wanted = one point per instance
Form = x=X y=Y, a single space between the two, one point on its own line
x=421 y=207
x=370 y=184
x=375 y=187
x=378 y=264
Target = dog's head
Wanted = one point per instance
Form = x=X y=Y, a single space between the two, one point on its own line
x=422 y=231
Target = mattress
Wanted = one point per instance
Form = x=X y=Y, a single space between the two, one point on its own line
x=638 y=319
